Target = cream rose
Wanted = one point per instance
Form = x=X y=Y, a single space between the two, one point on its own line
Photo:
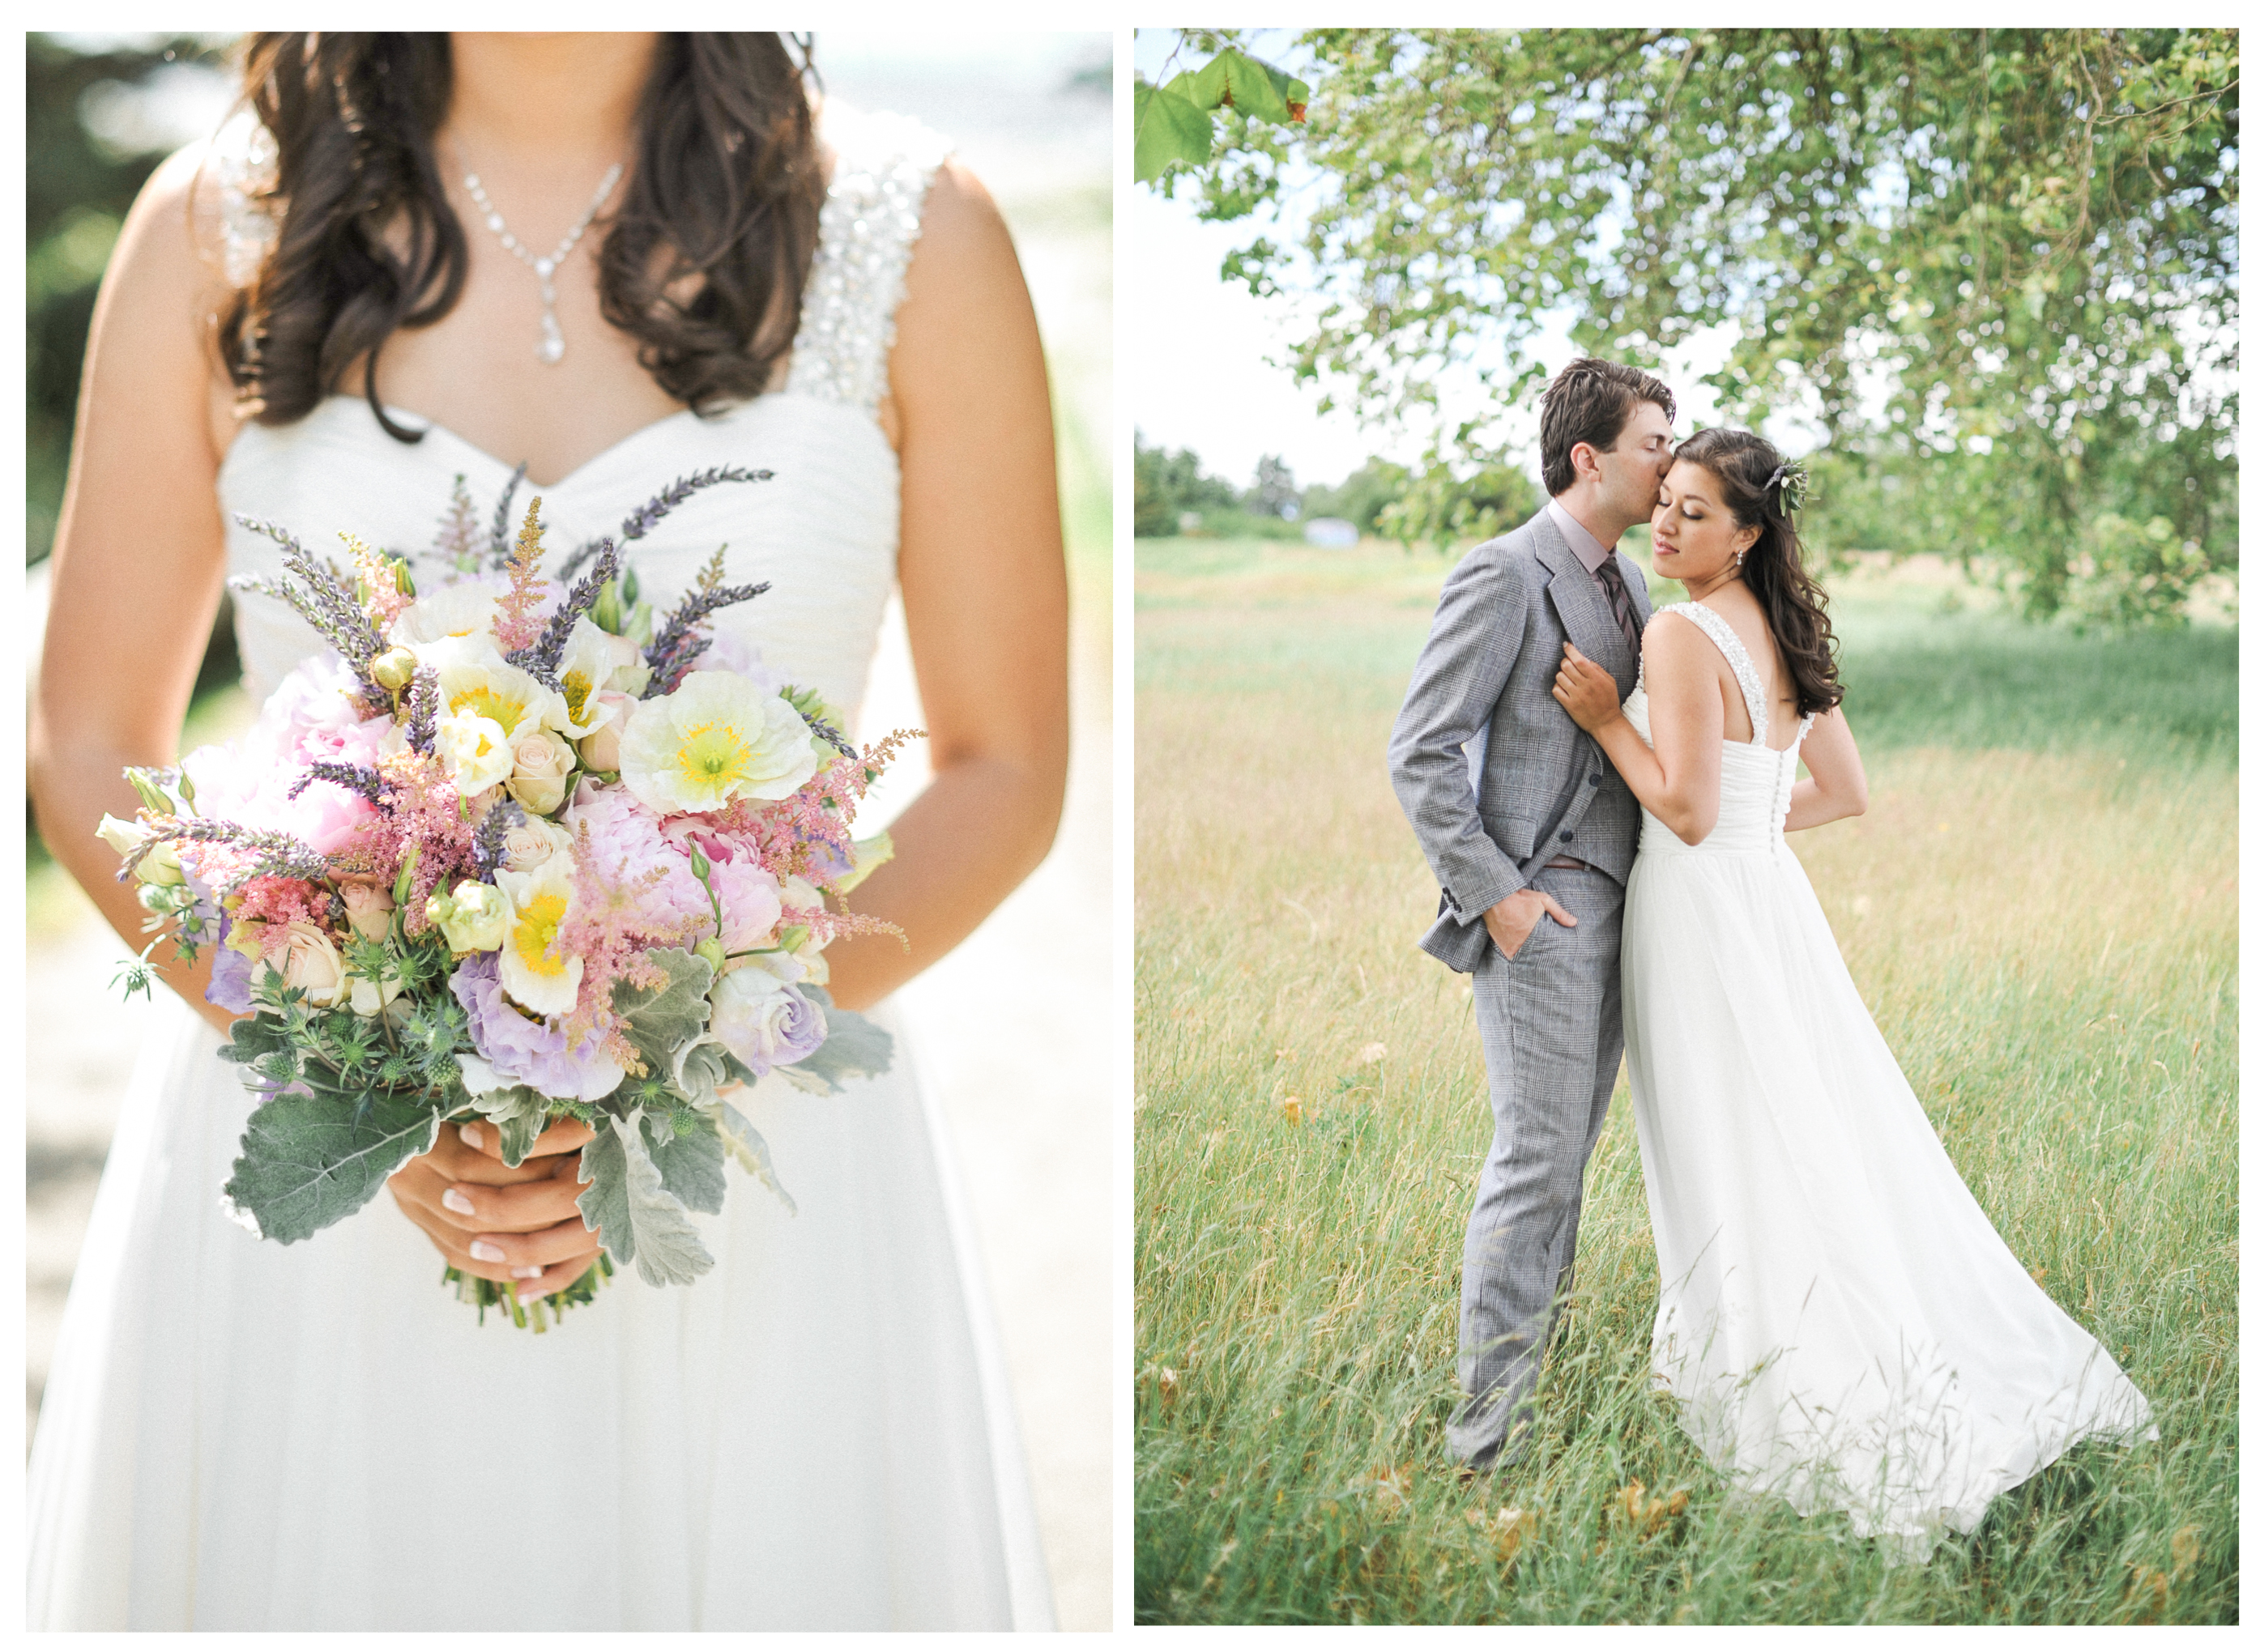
x=525 y=848
x=311 y=962
x=369 y=910
x=602 y=748
x=541 y=762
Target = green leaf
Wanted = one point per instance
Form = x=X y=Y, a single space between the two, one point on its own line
x=309 y=1160
x=689 y=1162
x=745 y=1144
x=854 y=1048
x=1256 y=89
x=660 y=1021
x=1168 y=126
x=641 y=1221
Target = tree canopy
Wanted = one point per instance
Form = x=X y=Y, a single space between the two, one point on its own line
x=1998 y=267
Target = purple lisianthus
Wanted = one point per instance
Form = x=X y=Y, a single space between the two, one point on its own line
x=231 y=981
x=763 y=1021
x=521 y=1049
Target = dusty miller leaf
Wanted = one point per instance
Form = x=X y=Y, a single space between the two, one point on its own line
x=309 y=1160
x=660 y=1021
x=853 y=1047
x=745 y=1144
x=640 y=1221
x=689 y=1162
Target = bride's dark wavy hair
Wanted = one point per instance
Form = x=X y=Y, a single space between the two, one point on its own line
x=1748 y=468
x=703 y=265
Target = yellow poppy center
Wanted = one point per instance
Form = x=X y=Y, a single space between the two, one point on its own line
x=576 y=692
x=715 y=756
x=486 y=703
x=535 y=935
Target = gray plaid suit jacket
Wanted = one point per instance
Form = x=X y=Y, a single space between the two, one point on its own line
x=1541 y=787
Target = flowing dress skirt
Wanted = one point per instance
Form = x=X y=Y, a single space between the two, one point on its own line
x=243 y=1435
x=1838 y=1320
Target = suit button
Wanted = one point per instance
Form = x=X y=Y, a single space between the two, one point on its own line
x=1594 y=779
x=1566 y=836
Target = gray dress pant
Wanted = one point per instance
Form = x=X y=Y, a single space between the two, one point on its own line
x=1552 y=1024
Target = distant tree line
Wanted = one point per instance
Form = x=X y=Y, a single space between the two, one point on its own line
x=1433 y=506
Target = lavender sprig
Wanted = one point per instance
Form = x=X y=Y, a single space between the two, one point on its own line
x=280 y=854
x=829 y=735
x=667 y=681
x=487 y=851
x=666 y=656
x=423 y=711
x=322 y=598
x=354 y=777
x=542 y=656
x=640 y=520
x=498 y=542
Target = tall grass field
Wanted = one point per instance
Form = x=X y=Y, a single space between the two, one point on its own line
x=2040 y=909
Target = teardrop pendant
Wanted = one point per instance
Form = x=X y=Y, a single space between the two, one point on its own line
x=552 y=347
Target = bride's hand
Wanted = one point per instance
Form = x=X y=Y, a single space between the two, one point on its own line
x=498 y=1223
x=1587 y=692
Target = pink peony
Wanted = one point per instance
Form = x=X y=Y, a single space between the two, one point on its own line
x=312 y=714
x=752 y=901
x=627 y=839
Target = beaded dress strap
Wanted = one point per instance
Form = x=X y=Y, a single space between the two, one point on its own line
x=1745 y=673
x=884 y=165
x=242 y=163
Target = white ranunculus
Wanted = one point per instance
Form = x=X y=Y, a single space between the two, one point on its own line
x=474 y=751
x=718 y=737
x=475 y=918
x=535 y=970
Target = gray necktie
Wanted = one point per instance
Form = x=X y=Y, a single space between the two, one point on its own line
x=1620 y=601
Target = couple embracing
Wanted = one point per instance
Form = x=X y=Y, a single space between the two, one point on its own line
x=1602 y=790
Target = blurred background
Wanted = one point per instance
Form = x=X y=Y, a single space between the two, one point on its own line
x=1031 y=115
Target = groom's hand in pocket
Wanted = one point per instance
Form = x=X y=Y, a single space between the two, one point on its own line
x=1512 y=919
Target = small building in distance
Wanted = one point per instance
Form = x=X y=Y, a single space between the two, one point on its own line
x=1330 y=533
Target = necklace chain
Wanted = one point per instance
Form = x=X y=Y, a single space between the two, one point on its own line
x=552 y=347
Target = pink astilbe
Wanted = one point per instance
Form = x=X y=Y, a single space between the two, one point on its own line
x=381 y=598
x=828 y=926
x=457 y=543
x=822 y=811
x=611 y=929
x=517 y=621
x=423 y=811
x=280 y=900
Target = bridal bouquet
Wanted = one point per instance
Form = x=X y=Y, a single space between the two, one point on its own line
x=515 y=852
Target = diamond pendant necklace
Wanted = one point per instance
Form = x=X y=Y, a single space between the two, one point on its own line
x=552 y=347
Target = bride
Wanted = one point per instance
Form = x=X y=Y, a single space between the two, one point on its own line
x=1839 y=1323
x=620 y=259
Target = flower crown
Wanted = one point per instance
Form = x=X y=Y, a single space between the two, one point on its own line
x=1793 y=480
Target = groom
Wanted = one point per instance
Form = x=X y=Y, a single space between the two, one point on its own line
x=1531 y=833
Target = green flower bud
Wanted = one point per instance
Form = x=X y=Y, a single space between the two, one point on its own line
x=394 y=669
x=711 y=950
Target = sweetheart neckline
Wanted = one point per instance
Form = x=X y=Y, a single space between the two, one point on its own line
x=431 y=425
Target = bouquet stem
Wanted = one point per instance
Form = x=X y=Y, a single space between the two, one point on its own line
x=528 y=1314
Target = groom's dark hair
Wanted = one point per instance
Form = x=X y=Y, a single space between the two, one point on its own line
x=1589 y=400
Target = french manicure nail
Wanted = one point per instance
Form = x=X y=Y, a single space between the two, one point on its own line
x=522 y=1273
x=459 y=1201
x=472 y=1137
x=481 y=1252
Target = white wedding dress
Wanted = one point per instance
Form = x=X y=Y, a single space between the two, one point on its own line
x=1839 y=1323
x=241 y=1435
